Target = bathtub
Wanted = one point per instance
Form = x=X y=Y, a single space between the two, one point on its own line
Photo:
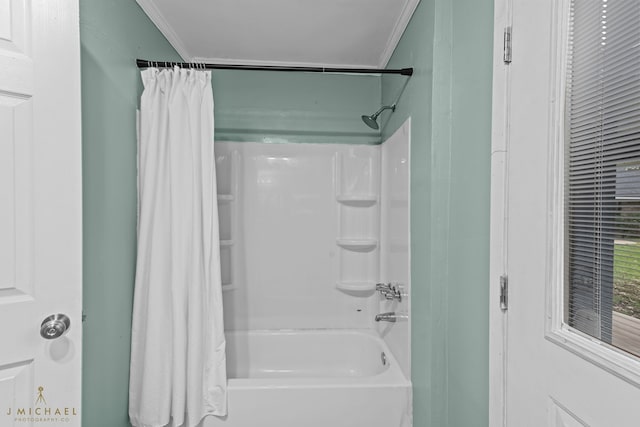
x=313 y=378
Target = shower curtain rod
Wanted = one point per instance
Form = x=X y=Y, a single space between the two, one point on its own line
x=142 y=63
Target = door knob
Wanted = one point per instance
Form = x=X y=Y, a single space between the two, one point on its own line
x=54 y=326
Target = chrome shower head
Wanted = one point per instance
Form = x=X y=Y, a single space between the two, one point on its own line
x=372 y=120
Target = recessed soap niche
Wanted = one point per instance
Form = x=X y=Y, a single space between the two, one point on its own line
x=227 y=173
x=357 y=193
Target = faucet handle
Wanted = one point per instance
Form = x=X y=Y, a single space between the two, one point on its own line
x=383 y=287
x=390 y=291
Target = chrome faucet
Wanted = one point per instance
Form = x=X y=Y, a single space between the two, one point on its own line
x=390 y=316
x=390 y=291
x=386 y=317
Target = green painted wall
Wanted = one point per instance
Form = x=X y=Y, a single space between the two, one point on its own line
x=468 y=316
x=256 y=106
x=449 y=100
x=416 y=49
x=112 y=34
x=294 y=107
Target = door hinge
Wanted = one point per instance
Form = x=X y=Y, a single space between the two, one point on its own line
x=506 y=54
x=504 y=293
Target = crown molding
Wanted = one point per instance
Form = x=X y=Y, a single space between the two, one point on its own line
x=394 y=38
x=167 y=31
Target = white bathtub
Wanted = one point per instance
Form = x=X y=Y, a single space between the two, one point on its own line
x=313 y=378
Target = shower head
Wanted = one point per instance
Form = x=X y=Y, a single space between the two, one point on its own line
x=372 y=120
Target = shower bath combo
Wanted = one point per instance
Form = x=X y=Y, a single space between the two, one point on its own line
x=315 y=268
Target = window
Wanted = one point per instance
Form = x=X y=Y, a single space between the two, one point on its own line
x=602 y=173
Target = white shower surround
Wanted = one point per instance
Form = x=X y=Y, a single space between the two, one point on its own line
x=307 y=230
x=282 y=228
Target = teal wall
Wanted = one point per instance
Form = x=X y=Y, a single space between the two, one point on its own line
x=468 y=316
x=449 y=99
x=112 y=34
x=256 y=106
x=294 y=107
x=416 y=49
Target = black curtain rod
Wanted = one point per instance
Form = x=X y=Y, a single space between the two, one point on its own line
x=167 y=64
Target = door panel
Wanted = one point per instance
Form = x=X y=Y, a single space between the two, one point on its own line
x=40 y=211
x=560 y=417
x=14 y=26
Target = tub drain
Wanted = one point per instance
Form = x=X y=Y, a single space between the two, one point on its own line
x=383 y=357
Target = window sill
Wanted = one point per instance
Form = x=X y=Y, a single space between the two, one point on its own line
x=613 y=360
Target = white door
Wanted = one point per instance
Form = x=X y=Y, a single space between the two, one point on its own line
x=543 y=372
x=40 y=212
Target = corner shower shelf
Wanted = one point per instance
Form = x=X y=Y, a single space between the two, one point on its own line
x=226 y=197
x=358 y=200
x=360 y=245
x=356 y=286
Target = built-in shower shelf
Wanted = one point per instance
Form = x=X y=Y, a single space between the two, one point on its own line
x=226 y=242
x=360 y=245
x=226 y=197
x=358 y=200
x=356 y=286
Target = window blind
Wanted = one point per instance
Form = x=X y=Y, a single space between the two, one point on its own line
x=602 y=173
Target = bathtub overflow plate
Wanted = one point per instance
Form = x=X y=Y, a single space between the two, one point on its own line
x=383 y=357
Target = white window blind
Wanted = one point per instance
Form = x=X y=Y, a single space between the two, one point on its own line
x=602 y=179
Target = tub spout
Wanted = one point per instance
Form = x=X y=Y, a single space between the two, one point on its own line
x=387 y=317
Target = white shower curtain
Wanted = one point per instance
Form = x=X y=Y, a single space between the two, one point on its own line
x=178 y=371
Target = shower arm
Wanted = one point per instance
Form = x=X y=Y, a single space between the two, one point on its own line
x=384 y=107
x=372 y=120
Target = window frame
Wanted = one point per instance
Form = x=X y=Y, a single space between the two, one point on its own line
x=613 y=360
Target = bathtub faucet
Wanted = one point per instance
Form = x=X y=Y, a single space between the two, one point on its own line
x=390 y=291
x=391 y=316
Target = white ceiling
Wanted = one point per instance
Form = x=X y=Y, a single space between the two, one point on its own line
x=340 y=33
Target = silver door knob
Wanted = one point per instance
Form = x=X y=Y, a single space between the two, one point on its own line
x=54 y=326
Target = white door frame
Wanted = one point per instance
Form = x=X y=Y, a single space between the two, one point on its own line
x=498 y=319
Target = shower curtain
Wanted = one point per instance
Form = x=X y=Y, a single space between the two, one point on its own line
x=178 y=371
